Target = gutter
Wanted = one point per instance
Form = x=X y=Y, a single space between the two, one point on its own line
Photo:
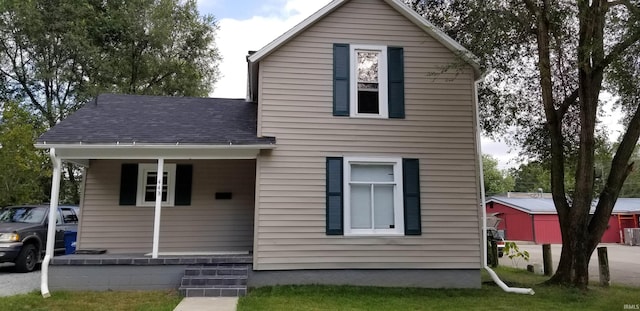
x=80 y=145
x=483 y=257
x=51 y=227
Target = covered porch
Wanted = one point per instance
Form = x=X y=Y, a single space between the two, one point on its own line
x=199 y=205
x=161 y=175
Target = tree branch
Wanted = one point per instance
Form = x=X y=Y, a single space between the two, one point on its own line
x=617 y=50
x=567 y=102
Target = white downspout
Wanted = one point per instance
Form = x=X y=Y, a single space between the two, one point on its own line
x=493 y=275
x=51 y=228
x=156 y=220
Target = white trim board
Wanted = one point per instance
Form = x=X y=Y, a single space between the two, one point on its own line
x=221 y=253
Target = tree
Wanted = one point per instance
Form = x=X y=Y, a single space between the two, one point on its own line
x=551 y=62
x=531 y=177
x=56 y=55
x=21 y=165
x=496 y=181
x=154 y=47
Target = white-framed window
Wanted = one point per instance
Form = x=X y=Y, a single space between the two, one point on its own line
x=368 y=79
x=373 y=196
x=147 y=178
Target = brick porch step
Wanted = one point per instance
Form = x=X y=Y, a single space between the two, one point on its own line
x=222 y=280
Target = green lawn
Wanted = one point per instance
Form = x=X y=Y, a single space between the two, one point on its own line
x=88 y=301
x=489 y=297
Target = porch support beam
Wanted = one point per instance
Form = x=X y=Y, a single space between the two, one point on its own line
x=51 y=227
x=156 y=221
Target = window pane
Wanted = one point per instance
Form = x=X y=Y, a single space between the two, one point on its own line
x=368 y=102
x=360 y=206
x=151 y=178
x=368 y=83
x=150 y=194
x=368 y=66
x=362 y=172
x=150 y=186
x=383 y=206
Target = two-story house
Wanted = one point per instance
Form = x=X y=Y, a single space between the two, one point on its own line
x=353 y=160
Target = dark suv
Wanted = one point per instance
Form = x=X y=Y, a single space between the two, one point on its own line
x=23 y=233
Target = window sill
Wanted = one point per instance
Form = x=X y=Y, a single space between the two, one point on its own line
x=368 y=116
x=377 y=235
x=153 y=205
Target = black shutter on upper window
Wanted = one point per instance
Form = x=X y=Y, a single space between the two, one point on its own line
x=411 y=189
x=341 y=79
x=128 y=184
x=184 y=177
x=334 y=197
x=395 y=64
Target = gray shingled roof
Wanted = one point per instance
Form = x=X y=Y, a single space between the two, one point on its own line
x=128 y=119
x=546 y=206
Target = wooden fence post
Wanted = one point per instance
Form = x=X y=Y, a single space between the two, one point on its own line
x=603 y=266
x=547 y=261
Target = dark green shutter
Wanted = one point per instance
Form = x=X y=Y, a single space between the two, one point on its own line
x=128 y=184
x=334 y=197
x=184 y=174
x=341 y=79
x=411 y=188
x=395 y=65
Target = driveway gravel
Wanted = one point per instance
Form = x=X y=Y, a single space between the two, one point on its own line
x=14 y=283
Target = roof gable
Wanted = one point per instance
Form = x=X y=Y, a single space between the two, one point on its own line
x=399 y=6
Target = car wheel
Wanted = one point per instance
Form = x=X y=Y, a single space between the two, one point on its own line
x=500 y=254
x=28 y=259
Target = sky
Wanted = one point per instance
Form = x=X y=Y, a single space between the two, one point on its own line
x=248 y=25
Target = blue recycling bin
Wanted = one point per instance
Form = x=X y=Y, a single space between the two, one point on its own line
x=70 y=242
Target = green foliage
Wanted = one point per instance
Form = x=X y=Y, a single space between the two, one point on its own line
x=496 y=181
x=512 y=251
x=22 y=167
x=489 y=297
x=57 y=55
x=154 y=47
x=531 y=177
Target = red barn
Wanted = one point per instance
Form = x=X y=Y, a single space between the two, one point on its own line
x=533 y=217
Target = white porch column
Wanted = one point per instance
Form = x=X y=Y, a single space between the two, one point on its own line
x=51 y=228
x=156 y=222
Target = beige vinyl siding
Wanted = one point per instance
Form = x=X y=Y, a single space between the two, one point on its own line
x=206 y=225
x=439 y=129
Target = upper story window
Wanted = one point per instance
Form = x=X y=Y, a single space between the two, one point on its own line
x=368 y=81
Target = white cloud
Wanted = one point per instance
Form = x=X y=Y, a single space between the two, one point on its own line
x=500 y=151
x=237 y=37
